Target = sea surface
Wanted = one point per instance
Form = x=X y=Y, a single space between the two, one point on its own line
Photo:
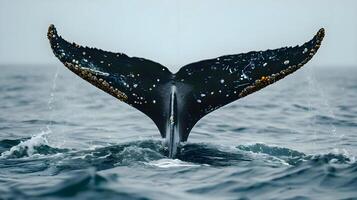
x=62 y=138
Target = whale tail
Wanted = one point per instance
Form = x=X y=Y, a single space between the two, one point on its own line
x=176 y=102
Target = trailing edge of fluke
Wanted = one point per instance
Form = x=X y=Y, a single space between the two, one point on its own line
x=175 y=102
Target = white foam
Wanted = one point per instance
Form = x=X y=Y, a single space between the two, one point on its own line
x=28 y=145
x=168 y=163
x=345 y=153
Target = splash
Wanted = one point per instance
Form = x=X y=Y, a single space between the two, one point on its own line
x=28 y=147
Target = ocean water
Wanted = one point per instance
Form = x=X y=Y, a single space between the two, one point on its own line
x=60 y=137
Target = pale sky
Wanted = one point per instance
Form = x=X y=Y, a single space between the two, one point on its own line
x=177 y=32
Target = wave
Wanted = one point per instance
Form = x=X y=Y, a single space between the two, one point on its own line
x=153 y=153
x=294 y=157
x=145 y=151
x=7 y=143
x=36 y=145
x=89 y=169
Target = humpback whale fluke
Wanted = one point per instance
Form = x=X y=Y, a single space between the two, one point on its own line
x=175 y=102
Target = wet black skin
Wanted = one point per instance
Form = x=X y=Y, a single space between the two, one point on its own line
x=200 y=87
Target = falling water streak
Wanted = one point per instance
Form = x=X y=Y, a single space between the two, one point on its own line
x=320 y=91
x=312 y=124
x=51 y=99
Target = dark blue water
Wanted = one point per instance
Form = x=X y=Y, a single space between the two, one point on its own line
x=62 y=138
